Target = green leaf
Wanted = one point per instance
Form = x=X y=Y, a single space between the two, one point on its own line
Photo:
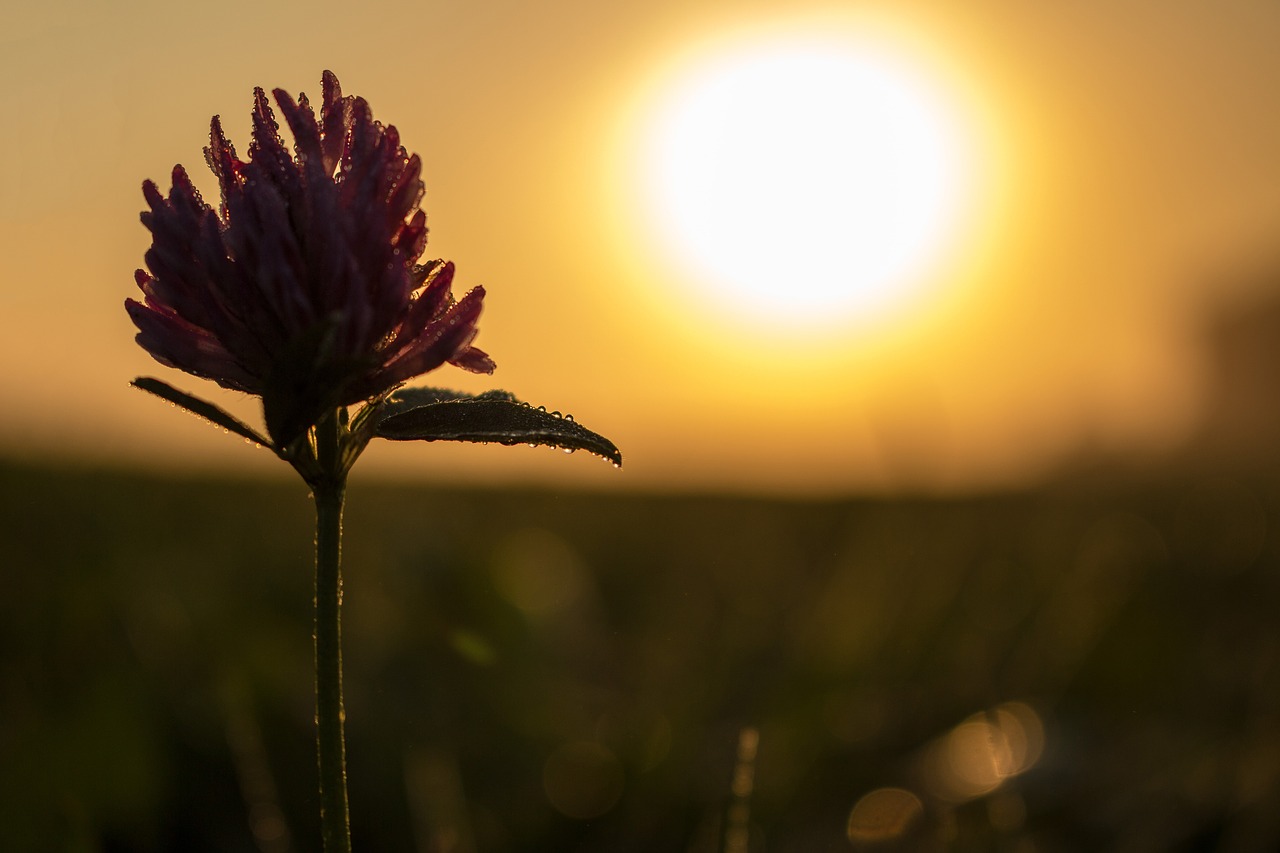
x=203 y=408
x=493 y=416
x=408 y=398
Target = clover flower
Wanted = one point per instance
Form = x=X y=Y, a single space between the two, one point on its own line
x=305 y=288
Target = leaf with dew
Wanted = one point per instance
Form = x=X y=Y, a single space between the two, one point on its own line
x=210 y=412
x=426 y=414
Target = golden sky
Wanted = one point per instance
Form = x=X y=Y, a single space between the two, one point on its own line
x=1126 y=160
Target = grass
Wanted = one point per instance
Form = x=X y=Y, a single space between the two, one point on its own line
x=549 y=671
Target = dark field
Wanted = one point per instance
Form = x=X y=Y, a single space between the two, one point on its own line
x=1084 y=668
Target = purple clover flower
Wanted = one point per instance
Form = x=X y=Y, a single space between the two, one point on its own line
x=305 y=287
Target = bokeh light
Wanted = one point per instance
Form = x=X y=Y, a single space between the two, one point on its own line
x=539 y=573
x=883 y=815
x=978 y=755
x=582 y=780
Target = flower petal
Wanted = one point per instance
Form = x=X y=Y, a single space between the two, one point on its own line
x=302 y=124
x=474 y=360
x=442 y=340
x=176 y=343
x=221 y=158
x=335 y=119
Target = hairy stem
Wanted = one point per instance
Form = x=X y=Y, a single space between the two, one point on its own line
x=330 y=717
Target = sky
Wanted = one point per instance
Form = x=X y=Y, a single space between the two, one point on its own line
x=1119 y=168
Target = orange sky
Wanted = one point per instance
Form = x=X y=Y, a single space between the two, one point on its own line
x=1132 y=156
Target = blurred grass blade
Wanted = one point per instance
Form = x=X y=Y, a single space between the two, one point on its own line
x=494 y=416
x=203 y=408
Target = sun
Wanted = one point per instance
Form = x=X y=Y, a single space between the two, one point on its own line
x=804 y=180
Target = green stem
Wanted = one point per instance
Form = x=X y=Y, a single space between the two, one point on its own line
x=330 y=741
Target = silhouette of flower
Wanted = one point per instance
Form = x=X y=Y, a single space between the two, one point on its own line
x=305 y=287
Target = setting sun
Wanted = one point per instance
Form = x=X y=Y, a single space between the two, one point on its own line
x=810 y=247
x=804 y=181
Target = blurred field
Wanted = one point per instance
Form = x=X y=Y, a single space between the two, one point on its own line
x=1080 y=668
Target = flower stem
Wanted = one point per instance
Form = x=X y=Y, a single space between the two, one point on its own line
x=330 y=717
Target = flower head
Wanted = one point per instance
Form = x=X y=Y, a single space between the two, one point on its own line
x=305 y=287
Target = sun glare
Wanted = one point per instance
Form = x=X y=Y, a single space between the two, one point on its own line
x=805 y=181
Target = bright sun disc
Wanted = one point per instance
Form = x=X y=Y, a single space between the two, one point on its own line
x=805 y=182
